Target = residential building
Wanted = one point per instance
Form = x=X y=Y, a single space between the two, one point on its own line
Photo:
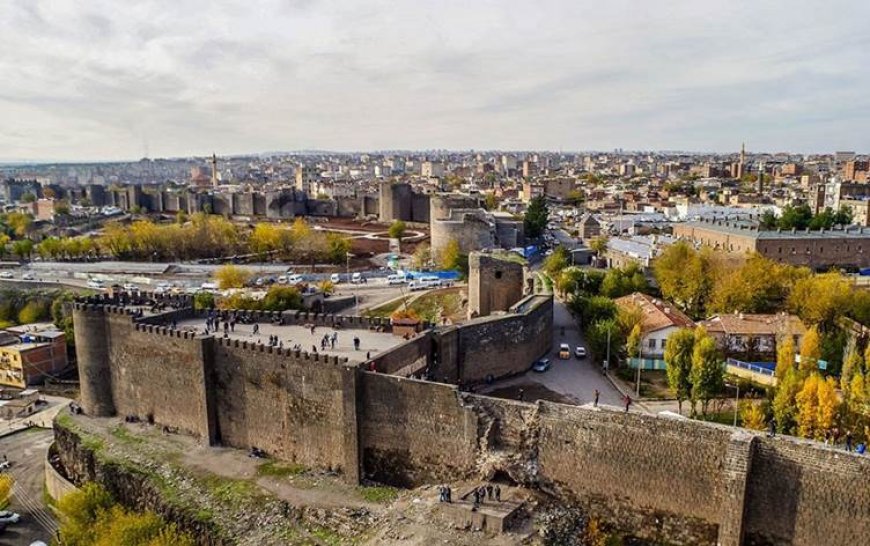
x=588 y=227
x=30 y=352
x=754 y=337
x=659 y=320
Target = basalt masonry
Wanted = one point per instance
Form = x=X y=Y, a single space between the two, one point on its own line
x=665 y=480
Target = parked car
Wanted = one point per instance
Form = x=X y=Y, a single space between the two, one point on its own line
x=564 y=351
x=6 y=275
x=9 y=517
x=542 y=365
x=335 y=278
x=580 y=351
x=395 y=279
x=356 y=278
x=294 y=279
x=95 y=283
x=130 y=287
x=28 y=276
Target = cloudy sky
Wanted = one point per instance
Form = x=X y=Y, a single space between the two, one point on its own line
x=93 y=79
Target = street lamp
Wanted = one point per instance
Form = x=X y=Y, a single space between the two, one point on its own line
x=639 y=362
x=348 y=255
x=736 y=385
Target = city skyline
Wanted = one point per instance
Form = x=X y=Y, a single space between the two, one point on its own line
x=105 y=82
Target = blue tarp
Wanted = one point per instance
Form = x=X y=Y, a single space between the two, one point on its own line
x=443 y=275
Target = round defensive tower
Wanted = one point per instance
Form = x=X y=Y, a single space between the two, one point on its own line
x=92 y=352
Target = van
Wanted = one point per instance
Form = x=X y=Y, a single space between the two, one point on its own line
x=335 y=278
x=356 y=278
x=209 y=287
x=564 y=351
x=395 y=279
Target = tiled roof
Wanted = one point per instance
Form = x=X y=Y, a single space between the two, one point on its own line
x=745 y=324
x=657 y=314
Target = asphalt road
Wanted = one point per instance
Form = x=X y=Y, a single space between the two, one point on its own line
x=26 y=451
x=570 y=381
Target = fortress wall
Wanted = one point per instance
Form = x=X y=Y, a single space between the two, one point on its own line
x=158 y=373
x=504 y=344
x=291 y=404
x=805 y=494
x=416 y=350
x=660 y=475
x=414 y=432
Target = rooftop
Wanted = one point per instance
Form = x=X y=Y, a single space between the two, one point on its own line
x=748 y=229
x=746 y=324
x=657 y=314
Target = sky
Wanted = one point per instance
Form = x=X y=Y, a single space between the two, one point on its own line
x=116 y=80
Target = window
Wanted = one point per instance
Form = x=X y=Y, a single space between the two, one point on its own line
x=664 y=342
x=498 y=274
x=652 y=343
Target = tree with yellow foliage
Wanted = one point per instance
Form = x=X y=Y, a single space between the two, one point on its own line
x=784 y=357
x=852 y=365
x=808 y=406
x=231 y=276
x=828 y=406
x=752 y=415
x=811 y=352
x=6 y=483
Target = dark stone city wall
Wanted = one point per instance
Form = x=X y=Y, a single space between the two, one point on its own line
x=414 y=432
x=289 y=404
x=483 y=343
x=804 y=494
x=674 y=481
x=415 y=354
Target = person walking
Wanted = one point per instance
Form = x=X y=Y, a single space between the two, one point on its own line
x=627 y=400
x=597 y=394
x=497 y=491
x=521 y=395
x=771 y=428
x=848 y=440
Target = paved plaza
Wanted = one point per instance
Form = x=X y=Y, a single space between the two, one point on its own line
x=371 y=342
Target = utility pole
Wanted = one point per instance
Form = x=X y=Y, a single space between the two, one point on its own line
x=736 y=403
x=639 y=362
x=607 y=362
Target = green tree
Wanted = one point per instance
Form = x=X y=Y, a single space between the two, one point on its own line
x=22 y=248
x=768 y=219
x=852 y=365
x=597 y=337
x=599 y=244
x=203 y=300
x=397 y=230
x=798 y=217
x=28 y=197
x=452 y=258
x=678 y=356
x=337 y=248
x=490 y=201
x=633 y=341
x=556 y=262
x=231 y=276
x=537 y=215
x=592 y=309
x=708 y=374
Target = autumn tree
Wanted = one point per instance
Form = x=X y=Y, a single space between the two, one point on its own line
x=678 y=361
x=807 y=406
x=599 y=244
x=811 y=352
x=820 y=299
x=633 y=342
x=752 y=415
x=22 y=248
x=758 y=286
x=266 y=238
x=6 y=483
x=686 y=276
x=784 y=357
x=707 y=373
x=337 y=248
x=422 y=257
x=231 y=276
x=852 y=365
x=452 y=258
x=784 y=401
x=282 y=298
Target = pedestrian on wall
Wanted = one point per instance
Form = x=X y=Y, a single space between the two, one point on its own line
x=848 y=440
x=597 y=394
x=627 y=401
x=521 y=395
x=256 y=329
x=771 y=428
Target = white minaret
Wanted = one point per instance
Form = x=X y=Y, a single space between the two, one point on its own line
x=214 y=180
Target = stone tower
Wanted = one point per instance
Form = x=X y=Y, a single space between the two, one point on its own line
x=214 y=177
x=92 y=351
x=494 y=284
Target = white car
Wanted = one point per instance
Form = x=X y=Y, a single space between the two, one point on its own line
x=335 y=278
x=356 y=278
x=580 y=351
x=95 y=283
x=130 y=287
x=294 y=279
x=6 y=275
x=282 y=279
x=9 y=517
x=28 y=276
x=396 y=279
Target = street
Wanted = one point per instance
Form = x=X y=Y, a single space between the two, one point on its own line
x=569 y=381
x=26 y=451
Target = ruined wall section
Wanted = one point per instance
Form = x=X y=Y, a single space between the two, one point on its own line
x=805 y=494
x=414 y=432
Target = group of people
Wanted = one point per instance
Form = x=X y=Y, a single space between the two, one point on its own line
x=328 y=341
x=479 y=495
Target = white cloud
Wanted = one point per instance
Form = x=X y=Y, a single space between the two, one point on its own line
x=98 y=79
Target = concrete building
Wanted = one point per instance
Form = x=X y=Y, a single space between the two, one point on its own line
x=30 y=352
x=306 y=178
x=846 y=247
x=494 y=283
x=431 y=169
x=589 y=227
